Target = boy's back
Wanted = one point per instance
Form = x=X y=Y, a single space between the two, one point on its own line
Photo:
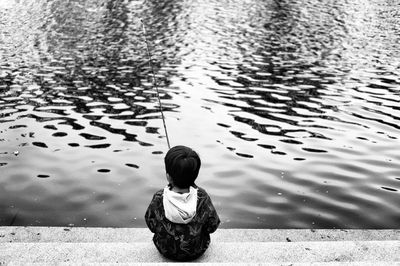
x=180 y=241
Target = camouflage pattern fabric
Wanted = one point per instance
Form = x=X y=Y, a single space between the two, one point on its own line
x=182 y=242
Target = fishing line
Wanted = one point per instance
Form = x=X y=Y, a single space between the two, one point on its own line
x=155 y=83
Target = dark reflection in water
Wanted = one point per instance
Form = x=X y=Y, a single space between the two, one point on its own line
x=293 y=106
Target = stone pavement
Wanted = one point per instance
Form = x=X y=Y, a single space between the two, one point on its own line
x=70 y=245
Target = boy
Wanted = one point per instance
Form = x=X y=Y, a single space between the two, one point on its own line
x=181 y=215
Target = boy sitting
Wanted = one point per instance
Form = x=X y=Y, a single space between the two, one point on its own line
x=181 y=215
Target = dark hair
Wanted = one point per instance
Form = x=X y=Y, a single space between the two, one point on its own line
x=183 y=165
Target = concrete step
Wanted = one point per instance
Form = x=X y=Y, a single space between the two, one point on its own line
x=96 y=234
x=222 y=252
x=54 y=245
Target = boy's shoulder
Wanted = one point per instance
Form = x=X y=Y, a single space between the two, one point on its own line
x=203 y=196
x=201 y=191
x=159 y=193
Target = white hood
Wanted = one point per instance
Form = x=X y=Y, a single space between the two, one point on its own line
x=180 y=208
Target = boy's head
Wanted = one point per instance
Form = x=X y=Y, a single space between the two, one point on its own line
x=182 y=165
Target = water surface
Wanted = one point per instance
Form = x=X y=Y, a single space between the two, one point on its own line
x=293 y=106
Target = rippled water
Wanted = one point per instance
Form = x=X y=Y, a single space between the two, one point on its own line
x=294 y=107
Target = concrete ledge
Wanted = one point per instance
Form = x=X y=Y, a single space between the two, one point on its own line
x=278 y=252
x=54 y=245
x=124 y=235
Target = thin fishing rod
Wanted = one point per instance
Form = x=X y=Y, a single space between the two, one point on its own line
x=155 y=83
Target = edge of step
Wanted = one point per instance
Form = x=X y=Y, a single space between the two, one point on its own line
x=126 y=235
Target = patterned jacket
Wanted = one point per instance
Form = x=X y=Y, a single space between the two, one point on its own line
x=182 y=242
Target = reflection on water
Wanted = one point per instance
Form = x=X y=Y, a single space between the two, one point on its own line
x=293 y=106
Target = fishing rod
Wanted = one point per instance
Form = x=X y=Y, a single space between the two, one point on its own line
x=155 y=83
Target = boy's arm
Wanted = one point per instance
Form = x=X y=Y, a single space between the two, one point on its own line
x=213 y=218
x=151 y=216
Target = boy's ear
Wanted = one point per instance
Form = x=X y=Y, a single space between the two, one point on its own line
x=169 y=179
